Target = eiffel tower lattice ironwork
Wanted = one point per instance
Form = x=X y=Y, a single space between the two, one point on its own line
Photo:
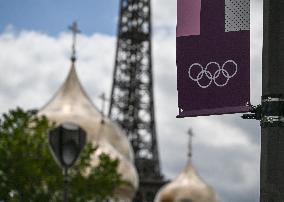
x=132 y=99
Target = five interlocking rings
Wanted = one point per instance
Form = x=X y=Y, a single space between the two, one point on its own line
x=221 y=71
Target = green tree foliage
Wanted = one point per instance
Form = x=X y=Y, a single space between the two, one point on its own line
x=28 y=171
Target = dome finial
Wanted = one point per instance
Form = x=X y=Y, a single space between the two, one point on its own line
x=190 y=133
x=74 y=29
x=104 y=100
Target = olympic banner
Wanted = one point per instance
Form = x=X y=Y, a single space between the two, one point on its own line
x=213 y=57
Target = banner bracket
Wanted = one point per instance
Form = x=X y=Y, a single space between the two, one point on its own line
x=270 y=112
x=254 y=112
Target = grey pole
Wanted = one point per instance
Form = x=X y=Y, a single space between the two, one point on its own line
x=272 y=138
x=65 y=170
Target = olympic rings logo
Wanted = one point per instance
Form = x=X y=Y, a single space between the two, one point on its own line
x=221 y=72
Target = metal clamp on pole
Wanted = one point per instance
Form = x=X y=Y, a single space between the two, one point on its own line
x=270 y=112
x=254 y=112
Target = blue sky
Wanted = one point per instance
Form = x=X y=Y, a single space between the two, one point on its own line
x=53 y=16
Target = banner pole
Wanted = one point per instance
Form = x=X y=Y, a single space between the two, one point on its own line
x=272 y=130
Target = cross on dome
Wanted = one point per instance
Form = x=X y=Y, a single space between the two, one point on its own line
x=104 y=99
x=74 y=29
x=190 y=133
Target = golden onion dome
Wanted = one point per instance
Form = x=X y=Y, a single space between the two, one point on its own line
x=72 y=104
x=187 y=186
x=114 y=135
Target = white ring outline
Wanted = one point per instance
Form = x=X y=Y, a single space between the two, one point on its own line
x=213 y=77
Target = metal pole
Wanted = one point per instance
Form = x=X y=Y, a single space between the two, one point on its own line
x=66 y=179
x=272 y=138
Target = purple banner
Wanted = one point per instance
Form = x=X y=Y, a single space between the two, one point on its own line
x=213 y=57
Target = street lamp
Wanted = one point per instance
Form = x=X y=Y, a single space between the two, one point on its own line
x=66 y=142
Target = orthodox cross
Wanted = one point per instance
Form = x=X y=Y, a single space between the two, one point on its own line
x=74 y=29
x=190 y=133
x=104 y=99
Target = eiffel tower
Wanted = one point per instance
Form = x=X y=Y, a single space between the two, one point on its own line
x=132 y=99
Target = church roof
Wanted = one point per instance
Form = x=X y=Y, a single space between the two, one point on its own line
x=72 y=104
x=187 y=187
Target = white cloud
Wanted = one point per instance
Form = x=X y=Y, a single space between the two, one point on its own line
x=164 y=14
x=34 y=65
